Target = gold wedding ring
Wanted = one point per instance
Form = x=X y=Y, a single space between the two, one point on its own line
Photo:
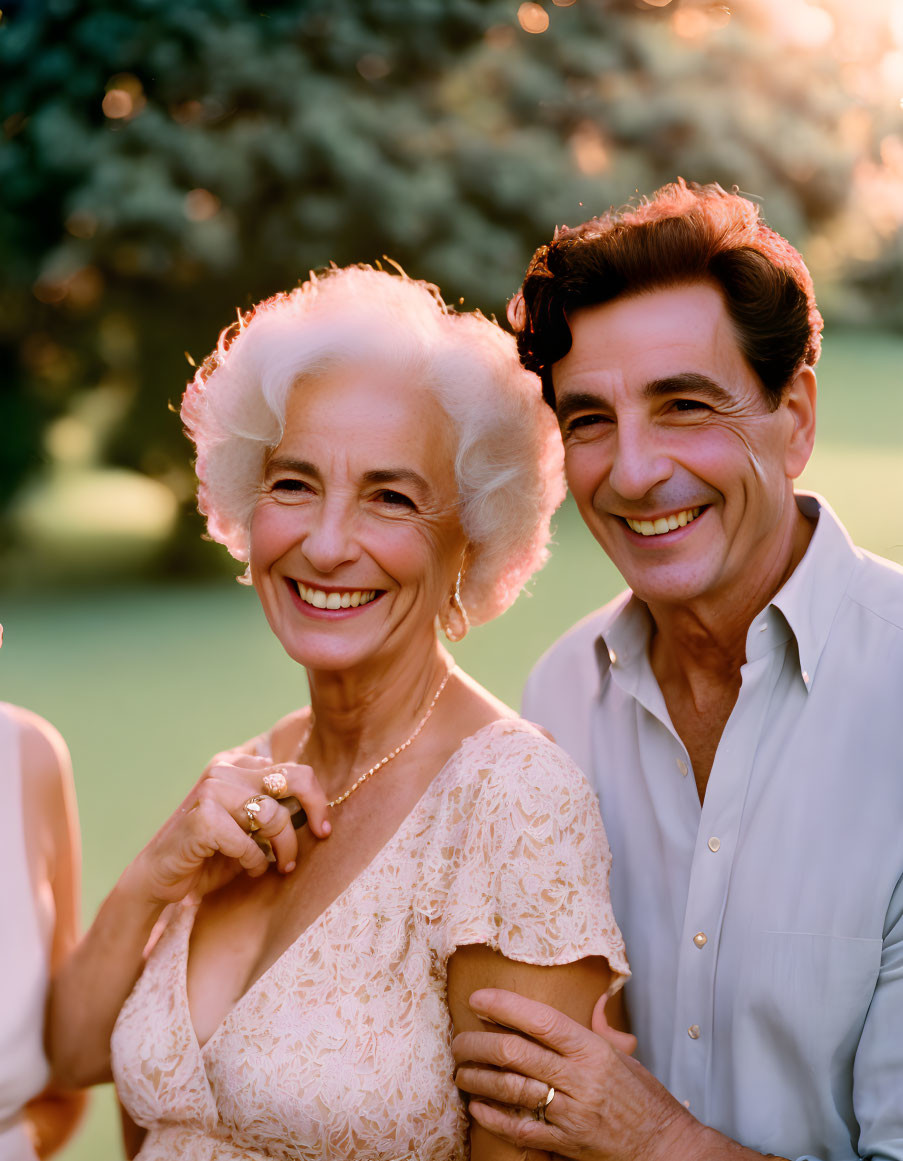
x=539 y=1111
x=252 y=808
x=275 y=783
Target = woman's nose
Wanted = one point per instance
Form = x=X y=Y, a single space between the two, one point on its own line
x=639 y=463
x=330 y=540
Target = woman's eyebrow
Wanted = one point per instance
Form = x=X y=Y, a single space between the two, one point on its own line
x=287 y=464
x=396 y=476
x=375 y=476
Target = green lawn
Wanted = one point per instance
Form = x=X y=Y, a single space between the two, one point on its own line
x=145 y=683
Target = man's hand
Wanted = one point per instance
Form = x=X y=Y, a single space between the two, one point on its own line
x=606 y=1106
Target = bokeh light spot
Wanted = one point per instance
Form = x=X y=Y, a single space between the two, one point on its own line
x=124 y=97
x=373 y=67
x=117 y=104
x=81 y=224
x=201 y=205
x=500 y=36
x=805 y=25
x=533 y=18
x=590 y=151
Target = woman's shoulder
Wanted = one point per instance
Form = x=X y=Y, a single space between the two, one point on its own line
x=46 y=766
x=515 y=756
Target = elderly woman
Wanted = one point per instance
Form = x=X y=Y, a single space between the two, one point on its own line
x=382 y=464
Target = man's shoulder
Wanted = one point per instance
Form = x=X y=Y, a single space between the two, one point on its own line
x=877 y=587
x=580 y=639
x=575 y=649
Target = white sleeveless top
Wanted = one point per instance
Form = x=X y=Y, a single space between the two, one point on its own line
x=23 y=959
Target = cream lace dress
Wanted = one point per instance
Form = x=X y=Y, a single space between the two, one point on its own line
x=342 y=1048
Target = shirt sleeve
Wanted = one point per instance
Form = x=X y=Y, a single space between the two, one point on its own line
x=531 y=873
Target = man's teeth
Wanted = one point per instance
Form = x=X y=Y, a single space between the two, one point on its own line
x=664 y=523
x=323 y=600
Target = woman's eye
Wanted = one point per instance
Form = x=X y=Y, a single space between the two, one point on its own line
x=289 y=485
x=395 y=499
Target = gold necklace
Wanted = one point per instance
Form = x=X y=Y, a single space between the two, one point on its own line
x=392 y=753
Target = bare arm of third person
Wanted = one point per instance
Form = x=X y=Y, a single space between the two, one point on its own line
x=49 y=798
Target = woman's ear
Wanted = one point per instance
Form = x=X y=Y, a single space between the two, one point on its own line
x=799 y=400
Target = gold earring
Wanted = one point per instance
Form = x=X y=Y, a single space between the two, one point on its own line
x=458 y=612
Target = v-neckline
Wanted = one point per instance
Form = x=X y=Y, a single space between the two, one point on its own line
x=396 y=836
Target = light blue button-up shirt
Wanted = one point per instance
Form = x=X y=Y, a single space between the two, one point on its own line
x=764 y=927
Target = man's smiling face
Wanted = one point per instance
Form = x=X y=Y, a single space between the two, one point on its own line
x=680 y=467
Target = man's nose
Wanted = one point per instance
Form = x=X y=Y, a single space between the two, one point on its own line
x=639 y=463
x=331 y=539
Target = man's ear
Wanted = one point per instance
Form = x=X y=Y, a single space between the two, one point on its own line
x=799 y=400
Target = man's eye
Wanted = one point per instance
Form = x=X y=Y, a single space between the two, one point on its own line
x=585 y=422
x=690 y=405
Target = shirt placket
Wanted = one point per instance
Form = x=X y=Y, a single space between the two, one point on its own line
x=717 y=839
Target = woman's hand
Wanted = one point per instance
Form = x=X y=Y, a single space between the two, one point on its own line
x=207 y=841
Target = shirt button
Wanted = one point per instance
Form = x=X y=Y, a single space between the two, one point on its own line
x=806 y=676
x=714 y=844
x=683 y=767
x=762 y=628
x=700 y=939
x=612 y=657
x=686 y=1104
x=693 y=1031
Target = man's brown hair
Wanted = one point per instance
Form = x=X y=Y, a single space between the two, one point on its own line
x=684 y=233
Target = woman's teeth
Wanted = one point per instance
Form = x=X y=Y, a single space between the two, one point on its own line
x=323 y=600
x=664 y=523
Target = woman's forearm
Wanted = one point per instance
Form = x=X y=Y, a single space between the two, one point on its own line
x=93 y=984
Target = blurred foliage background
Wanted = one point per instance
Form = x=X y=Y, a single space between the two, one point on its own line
x=164 y=162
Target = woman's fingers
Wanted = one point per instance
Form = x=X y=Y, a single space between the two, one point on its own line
x=244 y=803
x=209 y=828
x=303 y=784
x=274 y=823
x=300 y=782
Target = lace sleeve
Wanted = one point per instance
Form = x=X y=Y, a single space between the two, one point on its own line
x=531 y=872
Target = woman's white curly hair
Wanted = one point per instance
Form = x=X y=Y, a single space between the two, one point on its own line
x=508 y=464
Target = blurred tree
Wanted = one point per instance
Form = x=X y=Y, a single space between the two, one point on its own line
x=168 y=160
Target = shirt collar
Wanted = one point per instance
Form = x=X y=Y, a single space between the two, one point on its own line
x=812 y=594
x=804 y=607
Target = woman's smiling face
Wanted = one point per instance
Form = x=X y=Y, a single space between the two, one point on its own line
x=355 y=537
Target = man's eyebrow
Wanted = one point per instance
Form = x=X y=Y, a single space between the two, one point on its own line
x=580 y=401
x=692 y=381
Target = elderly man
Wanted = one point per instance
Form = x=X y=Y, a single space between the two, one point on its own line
x=739 y=711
